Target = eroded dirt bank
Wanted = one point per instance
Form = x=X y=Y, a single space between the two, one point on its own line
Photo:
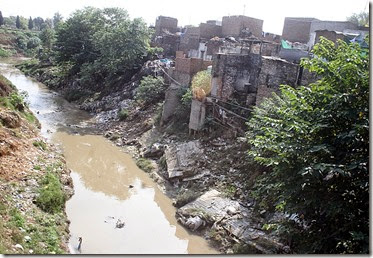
x=34 y=182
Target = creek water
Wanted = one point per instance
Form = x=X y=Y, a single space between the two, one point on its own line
x=109 y=187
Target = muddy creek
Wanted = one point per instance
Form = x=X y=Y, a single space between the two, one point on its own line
x=109 y=188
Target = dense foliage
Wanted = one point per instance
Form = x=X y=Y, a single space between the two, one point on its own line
x=151 y=90
x=103 y=45
x=315 y=141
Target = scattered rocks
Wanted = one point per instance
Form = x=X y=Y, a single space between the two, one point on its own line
x=10 y=119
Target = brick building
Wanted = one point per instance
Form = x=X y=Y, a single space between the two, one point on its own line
x=234 y=25
x=164 y=23
x=304 y=29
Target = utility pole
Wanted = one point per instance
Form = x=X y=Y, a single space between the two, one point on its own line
x=244 y=7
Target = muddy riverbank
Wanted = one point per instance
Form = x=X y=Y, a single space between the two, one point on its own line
x=109 y=188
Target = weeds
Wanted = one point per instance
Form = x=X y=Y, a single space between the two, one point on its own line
x=144 y=164
x=51 y=197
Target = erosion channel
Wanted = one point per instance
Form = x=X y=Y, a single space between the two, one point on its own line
x=116 y=207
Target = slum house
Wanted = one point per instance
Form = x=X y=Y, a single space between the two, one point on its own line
x=241 y=26
x=166 y=35
x=180 y=78
x=303 y=30
x=241 y=81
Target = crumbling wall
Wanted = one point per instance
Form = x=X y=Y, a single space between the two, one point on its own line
x=234 y=74
x=330 y=35
x=297 y=29
x=233 y=25
x=191 y=65
x=197 y=115
x=172 y=101
x=165 y=23
x=270 y=49
x=169 y=43
x=208 y=31
x=275 y=72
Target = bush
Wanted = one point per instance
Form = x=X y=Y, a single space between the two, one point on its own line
x=150 y=90
x=201 y=85
x=145 y=165
x=315 y=140
x=4 y=53
x=51 y=197
x=40 y=144
x=123 y=114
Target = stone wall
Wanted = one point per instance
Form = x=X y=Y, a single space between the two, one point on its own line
x=293 y=55
x=169 y=42
x=234 y=75
x=274 y=72
x=165 y=23
x=233 y=25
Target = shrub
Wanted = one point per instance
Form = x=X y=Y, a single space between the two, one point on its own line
x=40 y=144
x=51 y=197
x=315 y=140
x=123 y=114
x=201 y=84
x=145 y=165
x=150 y=90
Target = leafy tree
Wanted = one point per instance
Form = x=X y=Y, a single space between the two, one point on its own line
x=18 y=23
x=30 y=23
x=47 y=37
x=57 y=19
x=361 y=19
x=315 y=141
x=1 y=19
x=103 y=45
x=38 y=21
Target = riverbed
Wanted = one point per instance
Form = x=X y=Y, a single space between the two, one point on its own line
x=116 y=207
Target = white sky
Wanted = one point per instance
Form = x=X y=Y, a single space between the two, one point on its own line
x=196 y=11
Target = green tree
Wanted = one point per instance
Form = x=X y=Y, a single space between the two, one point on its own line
x=38 y=21
x=1 y=19
x=361 y=19
x=30 y=23
x=18 y=22
x=47 y=37
x=57 y=19
x=103 y=45
x=315 y=141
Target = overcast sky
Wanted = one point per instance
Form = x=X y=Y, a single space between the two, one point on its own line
x=196 y=11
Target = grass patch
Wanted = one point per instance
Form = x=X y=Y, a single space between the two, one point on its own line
x=51 y=197
x=123 y=114
x=145 y=165
x=40 y=144
x=186 y=197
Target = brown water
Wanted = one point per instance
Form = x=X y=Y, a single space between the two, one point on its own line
x=102 y=174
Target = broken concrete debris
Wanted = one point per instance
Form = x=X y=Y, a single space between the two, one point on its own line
x=232 y=217
x=182 y=158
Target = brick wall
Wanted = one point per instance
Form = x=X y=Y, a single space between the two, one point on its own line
x=163 y=22
x=274 y=72
x=297 y=29
x=208 y=31
x=331 y=35
x=191 y=65
x=233 y=25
